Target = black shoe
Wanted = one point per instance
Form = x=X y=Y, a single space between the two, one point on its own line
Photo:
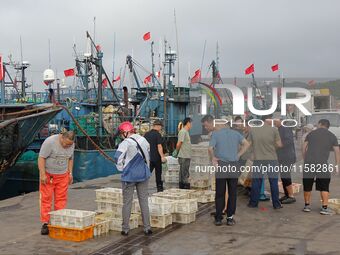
x=160 y=189
x=124 y=233
x=148 y=232
x=231 y=222
x=218 y=223
x=283 y=198
x=186 y=186
x=289 y=200
x=278 y=207
x=44 y=229
x=181 y=185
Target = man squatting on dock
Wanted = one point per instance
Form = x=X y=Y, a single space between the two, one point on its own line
x=55 y=168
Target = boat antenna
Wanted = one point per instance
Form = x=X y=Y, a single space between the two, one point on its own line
x=177 y=46
x=21 y=50
x=217 y=56
x=205 y=44
x=49 y=53
x=114 y=56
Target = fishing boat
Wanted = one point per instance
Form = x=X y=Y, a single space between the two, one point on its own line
x=20 y=123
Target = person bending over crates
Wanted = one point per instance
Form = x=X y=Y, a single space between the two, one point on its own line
x=133 y=159
x=55 y=164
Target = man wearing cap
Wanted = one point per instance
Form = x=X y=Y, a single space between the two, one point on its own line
x=154 y=138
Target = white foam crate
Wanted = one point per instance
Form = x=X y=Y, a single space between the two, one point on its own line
x=110 y=194
x=200 y=161
x=196 y=194
x=116 y=208
x=186 y=206
x=160 y=221
x=172 y=195
x=116 y=223
x=161 y=206
x=171 y=160
x=172 y=173
x=72 y=218
x=180 y=191
x=200 y=183
x=184 y=218
x=334 y=204
x=101 y=226
x=207 y=196
x=171 y=179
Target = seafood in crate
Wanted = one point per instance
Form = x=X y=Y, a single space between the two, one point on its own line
x=207 y=196
x=116 y=222
x=161 y=221
x=186 y=206
x=184 y=218
x=69 y=218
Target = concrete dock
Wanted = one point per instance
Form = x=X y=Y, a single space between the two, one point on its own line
x=258 y=231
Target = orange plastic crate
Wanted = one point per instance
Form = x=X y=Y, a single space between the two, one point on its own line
x=70 y=234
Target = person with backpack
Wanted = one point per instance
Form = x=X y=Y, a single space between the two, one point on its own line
x=133 y=159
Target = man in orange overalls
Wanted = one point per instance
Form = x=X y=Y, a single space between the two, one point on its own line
x=55 y=167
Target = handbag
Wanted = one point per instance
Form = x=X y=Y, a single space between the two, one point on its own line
x=139 y=171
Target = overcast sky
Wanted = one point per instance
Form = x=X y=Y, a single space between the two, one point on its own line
x=301 y=35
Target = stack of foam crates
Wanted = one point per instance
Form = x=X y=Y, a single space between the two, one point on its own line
x=160 y=212
x=199 y=176
x=71 y=225
x=110 y=204
x=185 y=207
x=172 y=170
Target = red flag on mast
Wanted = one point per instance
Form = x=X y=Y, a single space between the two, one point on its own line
x=197 y=76
x=250 y=69
x=147 y=36
x=275 y=67
x=104 y=83
x=69 y=72
x=147 y=79
x=117 y=79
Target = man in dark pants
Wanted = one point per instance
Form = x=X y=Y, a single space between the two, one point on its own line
x=156 y=152
x=264 y=139
x=225 y=153
x=183 y=147
x=316 y=148
x=286 y=158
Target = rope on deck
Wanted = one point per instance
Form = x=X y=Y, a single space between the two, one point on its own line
x=102 y=152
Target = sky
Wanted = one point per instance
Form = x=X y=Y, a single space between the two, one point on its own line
x=301 y=36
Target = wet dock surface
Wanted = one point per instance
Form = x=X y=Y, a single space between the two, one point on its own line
x=266 y=231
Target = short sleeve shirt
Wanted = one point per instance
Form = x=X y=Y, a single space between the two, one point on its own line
x=226 y=144
x=56 y=156
x=154 y=138
x=320 y=142
x=184 y=137
x=263 y=140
